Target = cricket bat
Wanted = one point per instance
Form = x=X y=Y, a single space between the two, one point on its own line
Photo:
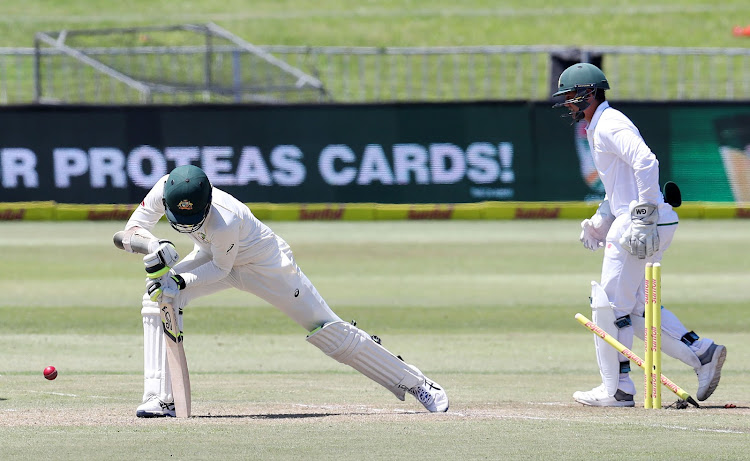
x=177 y=361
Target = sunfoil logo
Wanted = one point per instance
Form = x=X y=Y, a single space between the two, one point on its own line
x=539 y=213
x=326 y=214
x=435 y=213
x=12 y=215
x=107 y=215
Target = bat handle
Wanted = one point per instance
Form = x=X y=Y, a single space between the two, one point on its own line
x=117 y=239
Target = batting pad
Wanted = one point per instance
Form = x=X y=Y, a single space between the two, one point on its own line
x=156 y=378
x=354 y=347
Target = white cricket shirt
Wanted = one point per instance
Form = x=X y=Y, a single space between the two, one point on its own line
x=627 y=167
x=231 y=234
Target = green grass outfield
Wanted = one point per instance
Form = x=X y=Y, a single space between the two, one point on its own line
x=402 y=23
x=693 y=23
x=484 y=307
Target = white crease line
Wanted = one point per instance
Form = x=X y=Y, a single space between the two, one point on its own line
x=76 y=395
x=661 y=426
x=54 y=393
x=700 y=429
x=518 y=417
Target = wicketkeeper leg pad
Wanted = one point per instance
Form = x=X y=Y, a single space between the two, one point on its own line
x=354 y=347
x=617 y=326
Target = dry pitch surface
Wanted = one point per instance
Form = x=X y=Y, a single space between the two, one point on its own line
x=568 y=413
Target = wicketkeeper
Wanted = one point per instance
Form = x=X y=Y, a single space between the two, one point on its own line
x=233 y=249
x=634 y=224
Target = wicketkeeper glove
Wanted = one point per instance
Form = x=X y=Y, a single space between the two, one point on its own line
x=161 y=260
x=168 y=286
x=590 y=237
x=594 y=230
x=641 y=239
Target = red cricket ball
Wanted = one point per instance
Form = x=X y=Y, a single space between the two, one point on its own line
x=50 y=373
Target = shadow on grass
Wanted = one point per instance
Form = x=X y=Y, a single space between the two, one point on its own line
x=270 y=416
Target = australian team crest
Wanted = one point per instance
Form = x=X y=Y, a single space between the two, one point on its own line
x=185 y=205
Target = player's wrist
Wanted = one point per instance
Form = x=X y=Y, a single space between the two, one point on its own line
x=179 y=281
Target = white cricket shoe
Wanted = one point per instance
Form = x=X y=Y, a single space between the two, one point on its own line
x=431 y=395
x=155 y=408
x=598 y=397
x=709 y=373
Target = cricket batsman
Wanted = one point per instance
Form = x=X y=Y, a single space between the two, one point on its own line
x=233 y=249
x=634 y=224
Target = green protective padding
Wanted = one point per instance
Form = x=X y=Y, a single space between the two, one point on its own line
x=285 y=212
x=693 y=210
x=390 y=212
x=467 y=211
x=48 y=211
x=71 y=213
x=359 y=212
x=261 y=211
x=717 y=211
x=498 y=210
x=159 y=273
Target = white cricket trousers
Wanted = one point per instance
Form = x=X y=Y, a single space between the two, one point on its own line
x=623 y=273
x=274 y=277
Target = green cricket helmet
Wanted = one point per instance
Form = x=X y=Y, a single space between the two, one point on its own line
x=583 y=78
x=187 y=198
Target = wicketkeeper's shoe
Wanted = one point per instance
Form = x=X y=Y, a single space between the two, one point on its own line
x=431 y=395
x=598 y=397
x=155 y=408
x=709 y=373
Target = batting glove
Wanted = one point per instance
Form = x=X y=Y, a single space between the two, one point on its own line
x=168 y=286
x=641 y=239
x=160 y=261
